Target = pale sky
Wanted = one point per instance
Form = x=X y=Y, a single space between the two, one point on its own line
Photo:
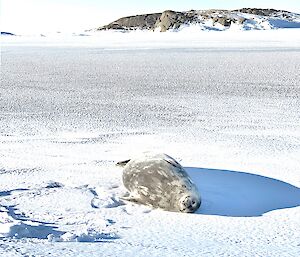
x=43 y=16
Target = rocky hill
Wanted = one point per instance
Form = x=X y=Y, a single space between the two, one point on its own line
x=243 y=19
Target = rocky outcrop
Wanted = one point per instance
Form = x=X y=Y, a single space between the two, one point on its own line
x=225 y=21
x=173 y=20
x=144 y=21
x=208 y=19
x=257 y=11
x=165 y=21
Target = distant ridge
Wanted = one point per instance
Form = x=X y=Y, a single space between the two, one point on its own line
x=241 y=19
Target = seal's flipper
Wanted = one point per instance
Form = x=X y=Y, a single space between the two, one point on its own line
x=129 y=198
x=122 y=163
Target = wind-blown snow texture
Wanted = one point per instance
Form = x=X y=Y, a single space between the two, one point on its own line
x=228 y=112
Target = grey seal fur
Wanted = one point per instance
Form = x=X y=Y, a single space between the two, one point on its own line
x=159 y=181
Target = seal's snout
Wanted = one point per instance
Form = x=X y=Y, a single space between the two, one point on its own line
x=189 y=203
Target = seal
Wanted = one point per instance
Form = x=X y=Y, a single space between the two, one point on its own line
x=159 y=181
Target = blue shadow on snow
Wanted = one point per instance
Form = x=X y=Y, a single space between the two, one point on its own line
x=240 y=194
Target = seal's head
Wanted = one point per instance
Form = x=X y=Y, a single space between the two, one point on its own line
x=189 y=203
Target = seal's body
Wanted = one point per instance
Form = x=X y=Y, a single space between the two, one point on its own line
x=160 y=181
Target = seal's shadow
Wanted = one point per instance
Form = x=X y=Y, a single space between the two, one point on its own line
x=240 y=194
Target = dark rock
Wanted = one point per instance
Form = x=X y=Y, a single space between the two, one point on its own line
x=170 y=20
x=257 y=11
x=223 y=21
x=241 y=20
x=144 y=21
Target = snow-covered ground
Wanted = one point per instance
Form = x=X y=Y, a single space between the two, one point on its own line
x=187 y=38
x=226 y=105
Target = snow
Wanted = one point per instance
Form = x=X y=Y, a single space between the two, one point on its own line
x=188 y=37
x=224 y=104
